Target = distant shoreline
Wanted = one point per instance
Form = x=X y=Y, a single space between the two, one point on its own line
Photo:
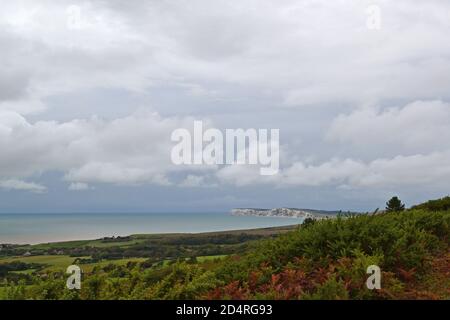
x=253 y=231
x=286 y=213
x=47 y=228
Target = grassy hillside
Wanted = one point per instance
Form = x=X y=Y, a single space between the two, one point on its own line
x=324 y=259
x=328 y=259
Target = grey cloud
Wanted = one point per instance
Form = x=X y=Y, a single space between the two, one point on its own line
x=356 y=108
x=307 y=53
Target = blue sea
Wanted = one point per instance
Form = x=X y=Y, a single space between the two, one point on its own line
x=40 y=228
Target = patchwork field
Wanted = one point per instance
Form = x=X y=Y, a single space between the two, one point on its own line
x=153 y=249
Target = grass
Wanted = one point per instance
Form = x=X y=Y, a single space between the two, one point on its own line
x=61 y=262
x=136 y=239
x=200 y=259
x=85 y=243
x=119 y=262
x=60 y=245
x=28 y=271
x=208 y=258
x=53 y=261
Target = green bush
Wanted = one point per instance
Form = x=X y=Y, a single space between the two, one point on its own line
x=326 y=259
x=442 y=204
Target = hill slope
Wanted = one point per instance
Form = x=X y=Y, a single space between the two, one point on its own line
x=325 y=259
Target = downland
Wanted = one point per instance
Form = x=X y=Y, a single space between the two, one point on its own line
x=324 y=259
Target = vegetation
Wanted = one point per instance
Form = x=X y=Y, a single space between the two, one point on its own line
x=435 y=205
x=157 y=246
x=394 y=204
x=323 y=259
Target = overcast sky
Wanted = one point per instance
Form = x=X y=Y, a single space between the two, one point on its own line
x=90 y=93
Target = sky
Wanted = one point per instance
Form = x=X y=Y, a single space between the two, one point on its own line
x=90 y=92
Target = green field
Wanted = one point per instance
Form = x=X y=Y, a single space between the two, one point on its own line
x=84 y=243
x=152 y=248
x=208 y=258
x=119 y=262
x=60 y=263
x=50 y=260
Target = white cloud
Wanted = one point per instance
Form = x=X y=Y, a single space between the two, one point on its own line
x=302 y=52
x=314 y=54
x=417 y=171
x=243 y=175
x=421 y=126
x=23 y=106
x=14 y=184
x=193 y=181
x=333 y=172
x=79 y=186
x=136 y=150
x=128 y=150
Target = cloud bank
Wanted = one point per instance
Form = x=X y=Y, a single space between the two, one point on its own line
x=92 y=91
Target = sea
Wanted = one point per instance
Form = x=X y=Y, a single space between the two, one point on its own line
x=21 y=228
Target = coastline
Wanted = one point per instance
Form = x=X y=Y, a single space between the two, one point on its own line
x=47 y=228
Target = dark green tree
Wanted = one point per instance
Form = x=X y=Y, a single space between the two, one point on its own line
x=394 y=205
x=307 y=222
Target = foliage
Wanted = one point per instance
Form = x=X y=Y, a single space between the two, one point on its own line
x=442 y=204
x=394 y=204
x=323 y=259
